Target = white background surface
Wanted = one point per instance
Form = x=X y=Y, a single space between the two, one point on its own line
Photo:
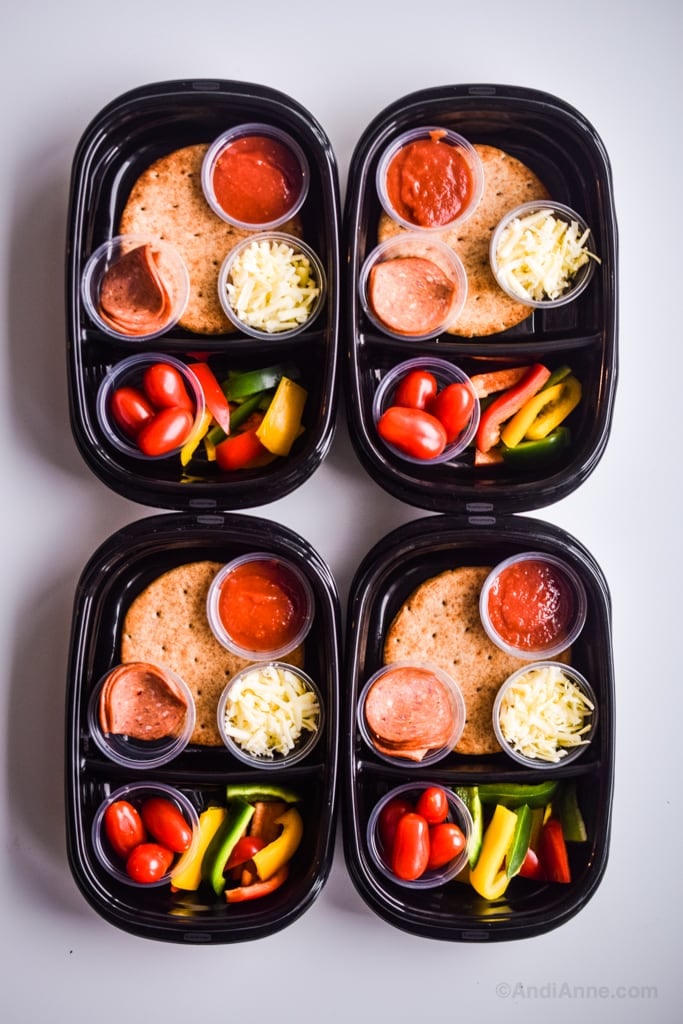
x=620 y=65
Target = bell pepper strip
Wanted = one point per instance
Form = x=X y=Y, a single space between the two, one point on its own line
x=493 y=457
x=215 y=400
x=236 y=822
x=556 y=376
x=209 y=448
x=552 y=852
x=514 y=794
x=488 y=877
x=242 y=384
x=520 y=841
x=568 y=810
x=565 y=397
x=281 y=424
x=490 y=383
x=210 y=820
x=507 y=404
x=243 y=450
x=530 y=454
x=193 y=441
x=254 y=791
x=258 y=889
x=239 y=415
x=272 y=857
x=472 y=801
x=515 y=429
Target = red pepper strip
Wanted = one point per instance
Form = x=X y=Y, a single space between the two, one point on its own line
x=531 y=866
x=240 y=451
x=258 y=889
x=216 y=402
x=552 y=851
x=489 y=383
x=507 y=404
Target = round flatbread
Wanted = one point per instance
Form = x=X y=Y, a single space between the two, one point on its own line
x=166 y=624
x=167 y=202
x=507 y=183
x=440 y=624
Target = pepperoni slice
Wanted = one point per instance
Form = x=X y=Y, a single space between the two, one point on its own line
x=133 y=296
x=141 y=701
x=410 y=294
x=409 y=712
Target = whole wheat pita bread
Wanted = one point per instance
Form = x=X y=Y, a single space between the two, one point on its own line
x=440 y=624
x=507 y=183
x=166 y=624
x=167 y=202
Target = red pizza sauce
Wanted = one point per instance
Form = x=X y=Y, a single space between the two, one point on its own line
x=257 y=179
x=429 y=182
x=262 y=606
x=531 y=605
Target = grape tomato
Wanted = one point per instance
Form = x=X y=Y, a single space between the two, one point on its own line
x=165 y=388
x=416 y=389
x=123 y=827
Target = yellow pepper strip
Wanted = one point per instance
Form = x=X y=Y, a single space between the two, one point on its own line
x=516 y=428
x=542 y=413
x=190 y=446
x=488 y=877
x=210 y=821
x=275 y=855
x=281 y=424
x=554 y=413
x=209 y=448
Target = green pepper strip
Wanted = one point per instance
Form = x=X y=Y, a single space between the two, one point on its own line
x=239 y=385
x=520 y=841
x=514 y=794
x=470 y=797
x=556 y=376
x=573 y=825
x=237 y=417
x=528 y=453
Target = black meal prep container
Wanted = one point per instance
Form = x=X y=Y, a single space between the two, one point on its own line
x=122 y=140
x=476 y=527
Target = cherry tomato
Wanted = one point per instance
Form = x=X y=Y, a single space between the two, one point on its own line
x=123 y=827
x=416 y=389
x=446 y=842
x=243 y=850
x=453 y=407
x=165 y=823
x=413 y=431
x=433 y=805
x=166 y=431
x=388 y=819
x=165 y=387
x=130 y=410
x=410 y=853
x=148 y=862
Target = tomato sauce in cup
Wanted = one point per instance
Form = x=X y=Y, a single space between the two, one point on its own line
x=431 y=179
x=260 y=606
x=255 y=177
x=533 y=605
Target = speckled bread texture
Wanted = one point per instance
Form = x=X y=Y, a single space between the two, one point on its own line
x=167 y=202
x=440 y=624
x=507 y=183
x=166 y=624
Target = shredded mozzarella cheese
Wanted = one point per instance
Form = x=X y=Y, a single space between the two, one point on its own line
x=543 y=714
x=269 y=709
x=539 y=254
x=271 y=287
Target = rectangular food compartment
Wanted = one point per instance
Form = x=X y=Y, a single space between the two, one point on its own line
x=125 y=138
x=388 y=575
x=562 y=148
x=120 y=570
